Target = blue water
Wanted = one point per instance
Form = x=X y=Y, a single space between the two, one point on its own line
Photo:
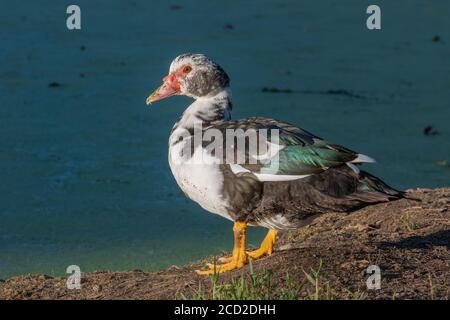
x=83 y=166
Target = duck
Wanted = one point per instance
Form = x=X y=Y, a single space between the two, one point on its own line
x=293 y=178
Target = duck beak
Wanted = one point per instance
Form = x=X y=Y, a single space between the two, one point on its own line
x=170 y=87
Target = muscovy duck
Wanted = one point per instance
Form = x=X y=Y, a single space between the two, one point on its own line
x=301 y=177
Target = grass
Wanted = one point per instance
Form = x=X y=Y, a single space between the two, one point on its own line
x=247 y=287
x=432 y=287
x=251 y=286
x=319 y=293
x=407 y=223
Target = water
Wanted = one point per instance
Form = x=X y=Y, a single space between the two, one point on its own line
x=84 y=174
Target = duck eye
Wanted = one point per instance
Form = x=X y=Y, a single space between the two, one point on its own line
x=187 y=69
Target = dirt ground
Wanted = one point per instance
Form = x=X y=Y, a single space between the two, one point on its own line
x=409 y=241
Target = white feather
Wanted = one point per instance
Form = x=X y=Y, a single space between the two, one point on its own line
x=201 y=182
x=272 y=151
x=278 y=177
x=353 y=167
x=236 y=168
x=363 y=158
x=267 y=176
x=278 y=221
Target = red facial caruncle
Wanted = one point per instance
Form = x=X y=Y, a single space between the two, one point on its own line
x=171 y=85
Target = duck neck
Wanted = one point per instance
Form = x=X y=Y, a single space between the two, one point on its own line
x=207 y=110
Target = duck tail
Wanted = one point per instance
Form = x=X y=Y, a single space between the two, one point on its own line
x=376 y=188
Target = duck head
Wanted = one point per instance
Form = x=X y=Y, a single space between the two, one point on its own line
x=192 y=75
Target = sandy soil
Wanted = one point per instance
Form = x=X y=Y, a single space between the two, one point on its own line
x=409 y=240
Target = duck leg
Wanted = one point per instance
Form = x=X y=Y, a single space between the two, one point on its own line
x=266 y=246
x=238 y=258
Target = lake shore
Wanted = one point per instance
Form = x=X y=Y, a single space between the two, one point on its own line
x=408 y=240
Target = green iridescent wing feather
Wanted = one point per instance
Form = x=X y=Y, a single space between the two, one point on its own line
x=303 y=160
x=302 y=154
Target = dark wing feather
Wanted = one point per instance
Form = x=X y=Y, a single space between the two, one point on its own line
x=302 y=152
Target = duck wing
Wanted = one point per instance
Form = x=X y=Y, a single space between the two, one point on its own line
x=292 y=153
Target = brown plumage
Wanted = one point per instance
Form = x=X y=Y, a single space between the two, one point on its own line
x=334 y=190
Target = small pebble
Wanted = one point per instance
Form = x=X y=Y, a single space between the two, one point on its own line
x=436 y=39
x=97 y=288
x=54 y=85
x=276 y=90
x=430 y=131
x=228 y=26
x=443 y=163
